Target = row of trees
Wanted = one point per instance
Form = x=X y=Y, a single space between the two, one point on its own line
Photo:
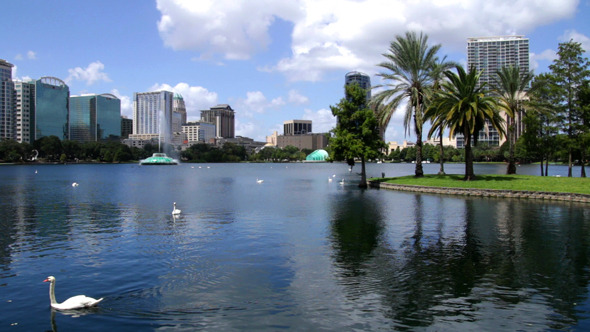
x=555 y=107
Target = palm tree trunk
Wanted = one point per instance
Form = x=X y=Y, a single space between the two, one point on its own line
x=511 y=166
x=363 y=183
x=541 y=166
x=442 y=155
x=469 y=175
x=569 y=163
x=583 y=160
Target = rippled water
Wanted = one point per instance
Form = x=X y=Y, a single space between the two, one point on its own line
x=295 y=252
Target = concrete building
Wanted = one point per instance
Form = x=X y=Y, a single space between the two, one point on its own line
x=126 y=127
x=297 y=127
x=51 y=115
x=489 y=55
x=152 y=114
x=178 y=113
x=25 y=111
x=7 y=102
x=223 y=117
x=198 y=132
x=95 y=118
x=307 y=141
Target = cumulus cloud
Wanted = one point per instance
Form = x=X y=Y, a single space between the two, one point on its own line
x=234 y=29
x=196 y=98
x=351 y=34
x=546 y=55
x=91 y=74
x=126 y=103
x=31 y=55
x=296 y=98
x=577 y=37
x=322 y=120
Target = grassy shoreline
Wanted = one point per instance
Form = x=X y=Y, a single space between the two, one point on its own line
x=497 y=182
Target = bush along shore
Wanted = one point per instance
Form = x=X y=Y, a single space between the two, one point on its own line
x=500 y=186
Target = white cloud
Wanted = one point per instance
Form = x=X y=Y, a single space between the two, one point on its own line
x=18 y=57
x=234 y=29
x=322 y=120
x=343 y=35
x=546 y=55
x=91 y=74
x=31 y=55
x=296 y=98
x=196 y=98
x=126 y=104
x=248 y=129
x=577 y=37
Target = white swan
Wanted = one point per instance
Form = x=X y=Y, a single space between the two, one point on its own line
x=341 y=182
x=259 y=181
x=75 y=184
x=75 y=302
x=329 y=179
x=175 y=211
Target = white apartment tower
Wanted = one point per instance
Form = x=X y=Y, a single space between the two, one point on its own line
x=152 y=114
x=489 y=55
x=7 y=112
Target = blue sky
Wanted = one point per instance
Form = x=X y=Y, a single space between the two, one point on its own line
x=271 y=60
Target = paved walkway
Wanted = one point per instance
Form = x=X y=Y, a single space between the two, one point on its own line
x=570 y=197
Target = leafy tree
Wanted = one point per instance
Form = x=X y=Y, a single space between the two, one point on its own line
x=408 y=64
x=570 y=70
x=466 y=108
x=512 y=85
x=357 y=132
x=49 y=147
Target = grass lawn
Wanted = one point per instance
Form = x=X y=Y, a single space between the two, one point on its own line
x=499 y=182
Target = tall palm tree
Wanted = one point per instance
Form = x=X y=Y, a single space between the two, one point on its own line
x=438 y=124
x=408 y=64
x=512 y=85
x=464 y=108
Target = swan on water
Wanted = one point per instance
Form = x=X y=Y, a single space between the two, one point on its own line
x=75 y=302
x=259 y=181
x=329 y=179
x=175 y=211
x=341 y=182
x=75 y=184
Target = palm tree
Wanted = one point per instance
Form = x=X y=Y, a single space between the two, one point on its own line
x=464 y=108
x=511 y=89
x=438 y=124
x=409 y=62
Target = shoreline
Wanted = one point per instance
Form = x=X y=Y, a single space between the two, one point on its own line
x=475 y=192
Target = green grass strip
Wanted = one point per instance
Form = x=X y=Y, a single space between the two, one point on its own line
x=498 y=182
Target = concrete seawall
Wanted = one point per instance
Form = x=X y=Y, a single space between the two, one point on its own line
x=554 y=196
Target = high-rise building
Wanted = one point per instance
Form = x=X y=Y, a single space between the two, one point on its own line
x=25 y=111
x=7 y=104
x=178 y=113
x=95 y=117
x=223 y=117
x=126 y=127
x=297 y=127
x=51 y=114
x=362 y=79
x=489 y=55
x=198 y=132
x=152 y=114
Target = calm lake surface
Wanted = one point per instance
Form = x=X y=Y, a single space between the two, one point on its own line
x=296 y=252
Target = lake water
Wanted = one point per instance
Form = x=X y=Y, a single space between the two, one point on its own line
x=296 y=252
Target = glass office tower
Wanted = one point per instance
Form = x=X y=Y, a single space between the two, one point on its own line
x=52 y=97
x=95 y=117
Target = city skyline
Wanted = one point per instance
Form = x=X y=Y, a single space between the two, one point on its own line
x=270 y=62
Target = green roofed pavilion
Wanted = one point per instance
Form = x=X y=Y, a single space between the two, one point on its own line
x=317 y=155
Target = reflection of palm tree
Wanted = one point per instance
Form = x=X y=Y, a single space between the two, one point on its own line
x=409 y=62
x=464 y=108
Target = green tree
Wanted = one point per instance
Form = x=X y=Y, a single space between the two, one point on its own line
x=408 y=63
x=49 y=147
x=357 y=132
x=466 y=108
x=570 y=70
x=512 y=84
